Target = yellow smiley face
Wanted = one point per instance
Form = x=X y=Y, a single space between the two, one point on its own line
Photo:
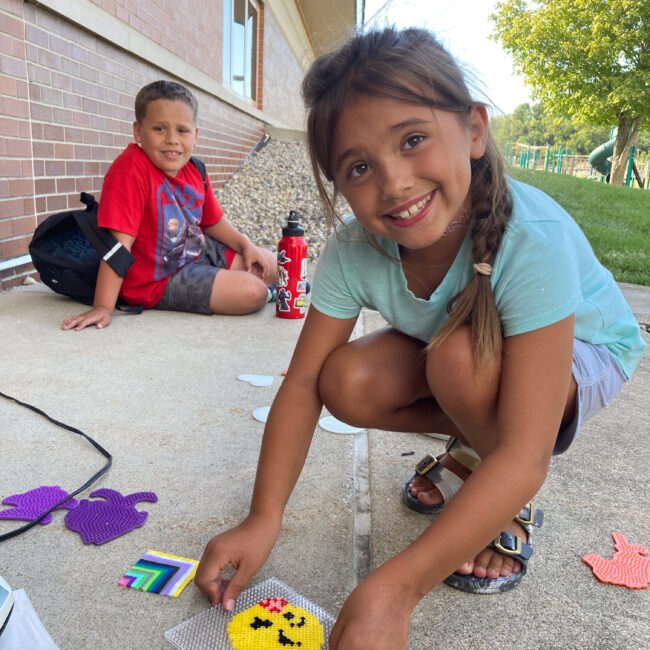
x=274 y=624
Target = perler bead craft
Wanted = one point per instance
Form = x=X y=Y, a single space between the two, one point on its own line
x=101 y=521
x=260 y=613
x=160 y=573
x=32 y=504
x=273 y=624
x=628 y=566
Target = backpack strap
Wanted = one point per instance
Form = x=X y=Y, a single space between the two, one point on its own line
x=200 y=165
x=111 y=251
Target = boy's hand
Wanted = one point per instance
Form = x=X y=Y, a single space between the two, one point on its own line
x=377 y=615
x=99 y=316
x=246 y=547
x=255 y=262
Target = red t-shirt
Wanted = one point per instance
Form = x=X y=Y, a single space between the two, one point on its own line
x=165 y=216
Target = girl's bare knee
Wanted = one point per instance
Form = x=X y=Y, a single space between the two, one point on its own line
x=345 y=386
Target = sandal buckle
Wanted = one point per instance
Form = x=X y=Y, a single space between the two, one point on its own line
x=426 y=464
x=531 y=515
x=507 y=551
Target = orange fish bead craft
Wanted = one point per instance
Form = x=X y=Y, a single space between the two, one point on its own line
x=629 y=566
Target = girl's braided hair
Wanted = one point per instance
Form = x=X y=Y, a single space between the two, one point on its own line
x=411 y=66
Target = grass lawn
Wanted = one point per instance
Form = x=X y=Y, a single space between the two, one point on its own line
x=615 y=220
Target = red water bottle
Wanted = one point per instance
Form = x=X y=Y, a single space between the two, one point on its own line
x=291 y=301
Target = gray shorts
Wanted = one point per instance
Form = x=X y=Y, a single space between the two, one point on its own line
x=190 y=288
x=599 y=379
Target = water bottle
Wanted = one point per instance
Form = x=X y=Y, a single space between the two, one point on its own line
x=291 y=300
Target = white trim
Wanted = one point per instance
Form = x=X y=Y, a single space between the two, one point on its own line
x=92 y=18
x=14 y=261
x=112 y=252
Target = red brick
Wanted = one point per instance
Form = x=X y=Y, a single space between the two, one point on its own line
x=56 y=202
x=54 y=168
x=11 y=208
x=35 y=35
x=11 y=25
x=74 y=168
x=5 y=227
x=64 y=150
x=73 y=135
x=8 y=86
x=23 y=226
x=13 y=67
x=82 y=152
x=14 y=247
x=41 y=113
x=91 y=136
x=19 y=148
x=59 y=45
x=53 y=132
x=15 y=107
x=4 y=188
x=10 y=168
x=43 y=149
x=9 y=127
x=21 y=187
x=44 y=186
x=64 y=185
x=62 y=116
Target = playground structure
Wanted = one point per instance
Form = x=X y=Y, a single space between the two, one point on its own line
x=597 y=165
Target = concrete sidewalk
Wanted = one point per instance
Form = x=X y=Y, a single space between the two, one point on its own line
x=160 y=392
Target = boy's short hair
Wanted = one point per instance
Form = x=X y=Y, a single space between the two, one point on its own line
x=163 y=90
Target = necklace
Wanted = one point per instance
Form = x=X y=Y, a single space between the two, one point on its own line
x=456 y=223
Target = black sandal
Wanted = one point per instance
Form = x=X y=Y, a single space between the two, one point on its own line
x=507 y=544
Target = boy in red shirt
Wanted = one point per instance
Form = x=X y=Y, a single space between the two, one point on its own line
x=188 y=257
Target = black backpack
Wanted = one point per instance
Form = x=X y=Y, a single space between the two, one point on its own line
x=67 y=248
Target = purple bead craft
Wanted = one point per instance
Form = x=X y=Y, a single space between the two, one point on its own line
x=32 y=504
x=101 y=521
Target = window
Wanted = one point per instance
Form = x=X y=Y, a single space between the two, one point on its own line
x=240 y=33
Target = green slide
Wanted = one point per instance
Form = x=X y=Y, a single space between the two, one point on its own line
x=599 y=158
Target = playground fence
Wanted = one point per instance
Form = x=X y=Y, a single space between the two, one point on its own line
x=559 y=160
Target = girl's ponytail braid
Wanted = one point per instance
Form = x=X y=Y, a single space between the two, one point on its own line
x=490 y=208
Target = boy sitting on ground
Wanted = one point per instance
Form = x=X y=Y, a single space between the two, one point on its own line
x=188 y=257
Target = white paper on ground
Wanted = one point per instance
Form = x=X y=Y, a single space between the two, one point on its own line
x=24 y=628
x=256 y=380
x=331 y=424
x=261 y=413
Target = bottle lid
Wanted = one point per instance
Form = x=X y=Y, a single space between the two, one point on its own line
x=293 y=227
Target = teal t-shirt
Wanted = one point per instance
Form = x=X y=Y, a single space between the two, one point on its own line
x=544 y=271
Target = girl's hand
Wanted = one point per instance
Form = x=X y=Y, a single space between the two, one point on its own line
x=377 y=615
x=246 y=547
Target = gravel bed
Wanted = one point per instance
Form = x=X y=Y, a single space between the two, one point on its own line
x=270 y=182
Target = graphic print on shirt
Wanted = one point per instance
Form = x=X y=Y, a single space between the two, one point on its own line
x=179 y=238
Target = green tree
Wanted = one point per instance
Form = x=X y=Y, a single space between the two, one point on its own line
x=537 y=126
x=584 y=58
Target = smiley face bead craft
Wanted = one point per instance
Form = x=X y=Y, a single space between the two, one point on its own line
x=274 y=624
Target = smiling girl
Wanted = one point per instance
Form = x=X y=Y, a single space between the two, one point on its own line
x=504 y=331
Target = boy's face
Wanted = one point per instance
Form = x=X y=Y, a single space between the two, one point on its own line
x=167 y=134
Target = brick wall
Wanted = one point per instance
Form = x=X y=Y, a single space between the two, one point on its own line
x=67 y=107
x=283 y=75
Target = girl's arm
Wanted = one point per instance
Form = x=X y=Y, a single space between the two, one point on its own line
x=534 y=385
x=287 y=437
